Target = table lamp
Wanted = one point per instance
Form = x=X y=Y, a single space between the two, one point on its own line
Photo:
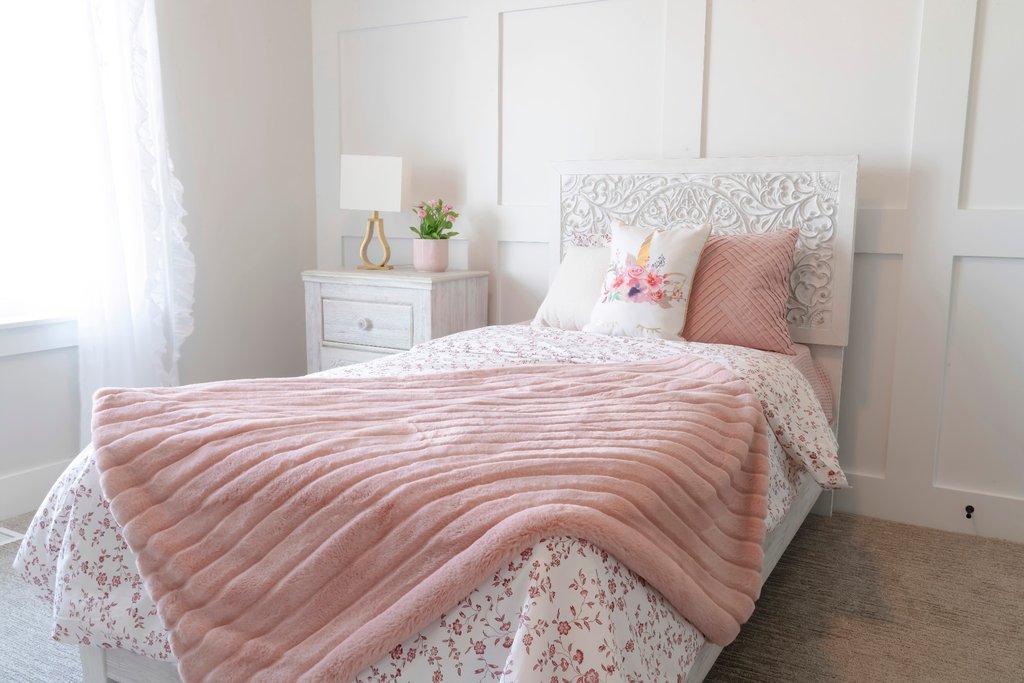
x=372 y=183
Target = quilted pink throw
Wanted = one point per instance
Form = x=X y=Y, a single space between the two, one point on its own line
x=299 y=529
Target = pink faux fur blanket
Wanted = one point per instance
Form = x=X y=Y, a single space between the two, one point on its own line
x=301 y=528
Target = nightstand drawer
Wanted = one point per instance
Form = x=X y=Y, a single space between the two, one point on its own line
x=387 y=326
x=335 y=357
x=354 y=316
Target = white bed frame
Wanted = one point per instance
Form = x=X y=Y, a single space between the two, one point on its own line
x=816 y=195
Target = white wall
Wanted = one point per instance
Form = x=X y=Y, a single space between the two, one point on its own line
x=237 y=78
x=927 y=92
x=38 y=423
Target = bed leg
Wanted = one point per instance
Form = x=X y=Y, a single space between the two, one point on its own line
x=94 y=664
x=823 y=507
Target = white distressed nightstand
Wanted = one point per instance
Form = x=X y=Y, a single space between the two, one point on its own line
x=358 y=315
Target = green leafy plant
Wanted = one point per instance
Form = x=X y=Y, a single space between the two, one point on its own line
x=436 y=219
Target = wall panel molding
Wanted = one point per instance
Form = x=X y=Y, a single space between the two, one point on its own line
x=980 y=433
x=845 y=90
x=553 y=76
x=991 y=175
x=683 y=70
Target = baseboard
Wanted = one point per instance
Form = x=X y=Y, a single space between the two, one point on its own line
x=22 y=492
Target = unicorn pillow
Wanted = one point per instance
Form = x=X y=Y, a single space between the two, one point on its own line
x=646 y=289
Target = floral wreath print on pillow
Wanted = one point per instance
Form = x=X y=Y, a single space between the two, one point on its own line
x=647 y=285
x=639 y=280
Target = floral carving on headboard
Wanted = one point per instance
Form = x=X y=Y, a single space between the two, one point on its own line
x=733 y=203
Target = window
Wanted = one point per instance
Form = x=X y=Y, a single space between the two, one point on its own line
x=49 y=151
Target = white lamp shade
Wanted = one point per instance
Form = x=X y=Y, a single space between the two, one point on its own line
x=371 y=183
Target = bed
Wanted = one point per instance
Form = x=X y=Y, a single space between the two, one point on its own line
x=564 y=608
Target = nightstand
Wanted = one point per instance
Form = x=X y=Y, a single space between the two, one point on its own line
x=358 y=315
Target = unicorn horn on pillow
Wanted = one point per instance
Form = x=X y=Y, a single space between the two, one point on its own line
x=644 y=254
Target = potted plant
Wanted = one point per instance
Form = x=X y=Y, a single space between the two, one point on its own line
x=430 y=250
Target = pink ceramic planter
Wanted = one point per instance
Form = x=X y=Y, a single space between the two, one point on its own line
x=430 y=256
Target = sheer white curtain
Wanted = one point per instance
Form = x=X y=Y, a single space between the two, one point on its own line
x=138 y=272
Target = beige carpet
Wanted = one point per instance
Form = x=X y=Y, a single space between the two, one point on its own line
x=27 y=653
x=860 y=599
x=853 y=599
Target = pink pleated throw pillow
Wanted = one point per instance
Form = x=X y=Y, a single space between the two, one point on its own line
x=740 y=291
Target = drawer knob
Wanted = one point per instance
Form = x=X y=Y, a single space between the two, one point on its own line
x=365 y=324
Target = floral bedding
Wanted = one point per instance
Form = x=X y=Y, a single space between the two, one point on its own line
x=563 y=611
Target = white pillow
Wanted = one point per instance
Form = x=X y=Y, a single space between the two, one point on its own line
x=647 y=286
x=575 y=290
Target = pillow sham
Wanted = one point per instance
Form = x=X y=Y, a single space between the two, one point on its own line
x=646 y=289
x=576 y=287
x=740 y=292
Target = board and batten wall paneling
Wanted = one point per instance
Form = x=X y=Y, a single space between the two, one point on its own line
x=981 y=439
x=925 y=91
x=547 y=57
x=867 y=364
x=401 y=250
x=810 y=77
x=522 y=278
x=995 y=136
x=399 y=90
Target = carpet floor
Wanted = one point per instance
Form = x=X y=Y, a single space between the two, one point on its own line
x=853 y=599
x=861 y=599
x=27 y=653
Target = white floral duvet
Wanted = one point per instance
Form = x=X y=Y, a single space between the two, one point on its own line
x=564 y=611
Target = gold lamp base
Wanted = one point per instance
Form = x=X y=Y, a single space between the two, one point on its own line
x=375 y=220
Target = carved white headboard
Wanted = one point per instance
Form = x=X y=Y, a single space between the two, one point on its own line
x=815 y=195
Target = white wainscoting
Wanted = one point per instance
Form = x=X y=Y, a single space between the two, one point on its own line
x=39 y=413
x=802 y=76
x=982 y=426
x=482 y=95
